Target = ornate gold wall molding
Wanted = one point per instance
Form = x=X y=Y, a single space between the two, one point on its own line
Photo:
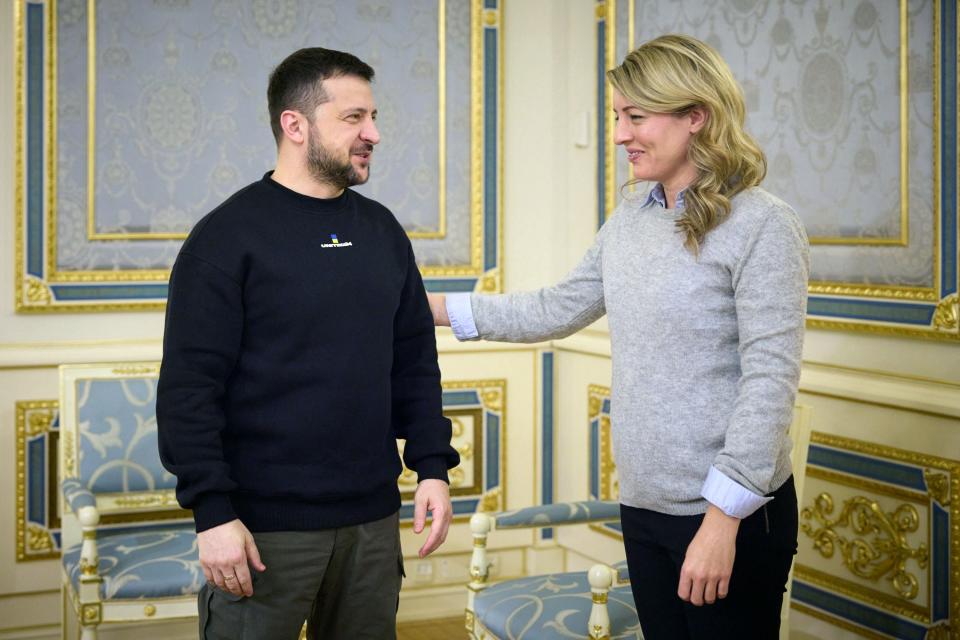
x=896 y=528
x=469 y=443
x=602 y=480
x=856 y=591
x=473 y=404
x=945 y=317
x=880 y=551
x=609 y=485
x=36 y=292
x=36 y=426
x=938 y=487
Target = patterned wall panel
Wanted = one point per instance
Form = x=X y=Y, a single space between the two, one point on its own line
x=135 y=119
x=855 y=105
x=603 y=480
x=38 y=522
x=879 y=554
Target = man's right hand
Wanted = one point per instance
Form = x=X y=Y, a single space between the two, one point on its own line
x=226 y=553
x=438 y=307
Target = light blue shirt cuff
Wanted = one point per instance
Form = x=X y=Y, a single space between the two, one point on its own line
x=460 y=312
x=728 y=496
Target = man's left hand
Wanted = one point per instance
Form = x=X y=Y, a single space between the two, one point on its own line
x=432 y=496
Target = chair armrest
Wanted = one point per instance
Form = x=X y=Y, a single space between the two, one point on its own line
x=549 y=515
x=559 y=513
x=76 y=495
x=601 y=577
x=83 y=503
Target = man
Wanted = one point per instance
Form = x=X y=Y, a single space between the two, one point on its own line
x=298 y=347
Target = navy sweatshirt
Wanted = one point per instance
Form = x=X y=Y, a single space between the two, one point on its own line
x=298 y=347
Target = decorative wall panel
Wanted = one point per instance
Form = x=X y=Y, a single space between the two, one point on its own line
x=477 y=410
x=876 y=550
x=855 y=106
x=603 y=479
x=136 y=119
x=38 y=522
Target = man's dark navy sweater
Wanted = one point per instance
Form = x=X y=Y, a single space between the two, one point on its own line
x=299 y=346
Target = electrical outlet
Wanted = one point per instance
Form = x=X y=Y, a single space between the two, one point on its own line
x=424 y=571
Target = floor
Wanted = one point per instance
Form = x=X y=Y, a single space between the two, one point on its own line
x=444 y=629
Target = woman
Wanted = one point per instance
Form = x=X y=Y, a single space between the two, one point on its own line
x=703 y=279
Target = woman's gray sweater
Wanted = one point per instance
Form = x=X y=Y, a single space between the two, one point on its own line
x=706 y=350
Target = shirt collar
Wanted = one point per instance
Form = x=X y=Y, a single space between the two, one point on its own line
x=657 y=195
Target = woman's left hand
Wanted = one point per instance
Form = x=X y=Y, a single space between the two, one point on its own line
x=705 y=575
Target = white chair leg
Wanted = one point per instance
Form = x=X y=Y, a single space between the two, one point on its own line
x=601 y=578
x=480 y=525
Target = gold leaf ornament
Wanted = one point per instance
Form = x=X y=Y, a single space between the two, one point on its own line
x=879 y=547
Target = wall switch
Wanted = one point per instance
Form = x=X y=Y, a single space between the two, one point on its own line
x=581 y=129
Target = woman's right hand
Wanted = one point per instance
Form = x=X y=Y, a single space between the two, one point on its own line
x=438 y=307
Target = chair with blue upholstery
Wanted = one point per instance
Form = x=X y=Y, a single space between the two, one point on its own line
x=595 y=604
x=129 y=550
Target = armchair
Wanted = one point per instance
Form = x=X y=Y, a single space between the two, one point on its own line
x=596 y=604
x=129 y=551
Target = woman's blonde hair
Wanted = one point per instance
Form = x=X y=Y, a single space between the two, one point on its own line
x=675 y=74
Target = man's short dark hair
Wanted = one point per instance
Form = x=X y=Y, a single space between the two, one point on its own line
x=297 y=82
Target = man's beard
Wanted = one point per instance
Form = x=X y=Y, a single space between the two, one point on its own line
x=325 y=167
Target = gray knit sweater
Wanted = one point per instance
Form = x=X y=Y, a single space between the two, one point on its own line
x=706 y=351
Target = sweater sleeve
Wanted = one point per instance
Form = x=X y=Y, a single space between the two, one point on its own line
x=201 y=343
x=417 y=400
x=552 y=312
x=770 y=293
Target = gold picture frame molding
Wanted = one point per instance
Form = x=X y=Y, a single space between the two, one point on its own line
x=596 y=395
x=34 y=542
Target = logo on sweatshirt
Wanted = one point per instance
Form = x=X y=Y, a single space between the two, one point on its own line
x=335 y=243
